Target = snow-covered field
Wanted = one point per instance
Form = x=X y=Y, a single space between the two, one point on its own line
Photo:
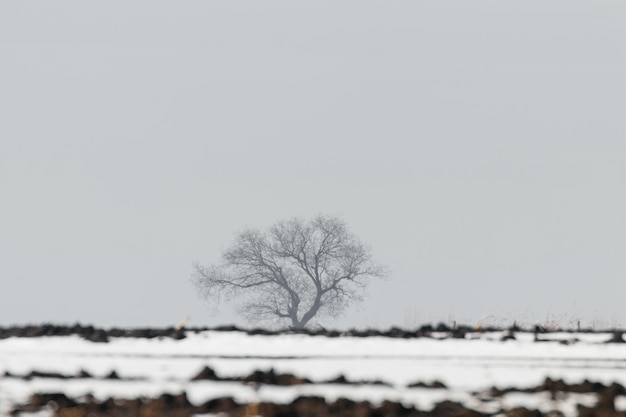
x=467 y=367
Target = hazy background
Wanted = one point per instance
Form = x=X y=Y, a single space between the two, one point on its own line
x=478 y=146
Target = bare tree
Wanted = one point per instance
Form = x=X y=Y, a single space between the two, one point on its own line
x=295 y=271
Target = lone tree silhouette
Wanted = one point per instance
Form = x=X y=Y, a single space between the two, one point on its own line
x=293 y=272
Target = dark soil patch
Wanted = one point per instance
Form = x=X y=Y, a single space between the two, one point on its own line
x=270 y=377
x=559 y=386
x=82 y=374
x=100 y=335
x=433 y=384
x=90 y=333
x=341 y=379
x=179 y=406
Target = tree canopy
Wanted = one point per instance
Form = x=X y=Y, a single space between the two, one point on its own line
x=293 y=272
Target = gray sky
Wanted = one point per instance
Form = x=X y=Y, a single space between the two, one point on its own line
x=478 y=146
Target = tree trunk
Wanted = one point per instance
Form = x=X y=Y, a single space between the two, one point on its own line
x=311 y=313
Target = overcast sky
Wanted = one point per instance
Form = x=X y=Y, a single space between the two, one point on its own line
x=479 y=147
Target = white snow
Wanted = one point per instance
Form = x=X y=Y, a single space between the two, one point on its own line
x=465 y=365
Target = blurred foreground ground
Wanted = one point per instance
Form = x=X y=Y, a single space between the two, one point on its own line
x=185 y=373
